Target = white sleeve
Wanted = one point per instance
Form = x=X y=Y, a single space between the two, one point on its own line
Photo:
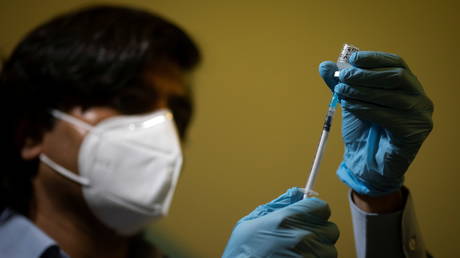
x=388 y=235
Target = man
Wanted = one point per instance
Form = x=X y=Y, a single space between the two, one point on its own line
x=94 y=103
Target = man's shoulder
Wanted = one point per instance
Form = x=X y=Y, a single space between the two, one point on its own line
x=19 y=237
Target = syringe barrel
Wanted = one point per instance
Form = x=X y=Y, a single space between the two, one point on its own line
x=342 y=62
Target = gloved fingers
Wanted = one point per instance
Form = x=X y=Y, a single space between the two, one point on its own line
x=409 y=126
x=291 y=196
x=327 y=70
x=395 y=99
x=310 y=209
x=324 y=230
x=385 y=117
x=383 y=78
x=327 y=233
x=331 y=233
x=375 y=59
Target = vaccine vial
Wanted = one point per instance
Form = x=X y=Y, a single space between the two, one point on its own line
x=342 y=61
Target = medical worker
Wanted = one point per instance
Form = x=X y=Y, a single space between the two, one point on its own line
x=95 y=105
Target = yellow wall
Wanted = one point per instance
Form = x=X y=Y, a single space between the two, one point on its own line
x=261 y=102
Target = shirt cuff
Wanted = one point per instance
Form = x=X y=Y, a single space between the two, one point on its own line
x=394 y=234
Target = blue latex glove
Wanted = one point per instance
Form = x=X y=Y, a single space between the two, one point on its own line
x=386 y=117
x=286 y=227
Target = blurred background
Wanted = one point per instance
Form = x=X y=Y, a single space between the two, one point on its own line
x=260 y=106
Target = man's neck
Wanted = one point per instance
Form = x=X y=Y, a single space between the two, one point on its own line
x=72 y=225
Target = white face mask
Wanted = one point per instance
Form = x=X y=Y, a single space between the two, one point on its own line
x=129 y=166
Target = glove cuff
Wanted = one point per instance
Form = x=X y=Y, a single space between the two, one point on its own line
x=363 y=187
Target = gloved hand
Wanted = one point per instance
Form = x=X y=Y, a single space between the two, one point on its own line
x=386 y=117
x=286 y=227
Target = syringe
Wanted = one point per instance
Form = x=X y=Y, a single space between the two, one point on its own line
x=342 y=63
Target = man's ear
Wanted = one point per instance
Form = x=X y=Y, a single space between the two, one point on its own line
x=31 y=149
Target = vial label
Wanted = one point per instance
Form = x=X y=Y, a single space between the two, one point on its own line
x=347 y=50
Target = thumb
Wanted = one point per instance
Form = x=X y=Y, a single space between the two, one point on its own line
x=327 y=70
x=291 y=196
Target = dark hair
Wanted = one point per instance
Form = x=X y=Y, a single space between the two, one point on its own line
x=97 y=56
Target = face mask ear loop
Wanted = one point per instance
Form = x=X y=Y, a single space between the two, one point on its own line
x=70 y=119
x=63 y=171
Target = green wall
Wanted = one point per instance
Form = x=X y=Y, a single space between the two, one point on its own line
x=261 y=103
